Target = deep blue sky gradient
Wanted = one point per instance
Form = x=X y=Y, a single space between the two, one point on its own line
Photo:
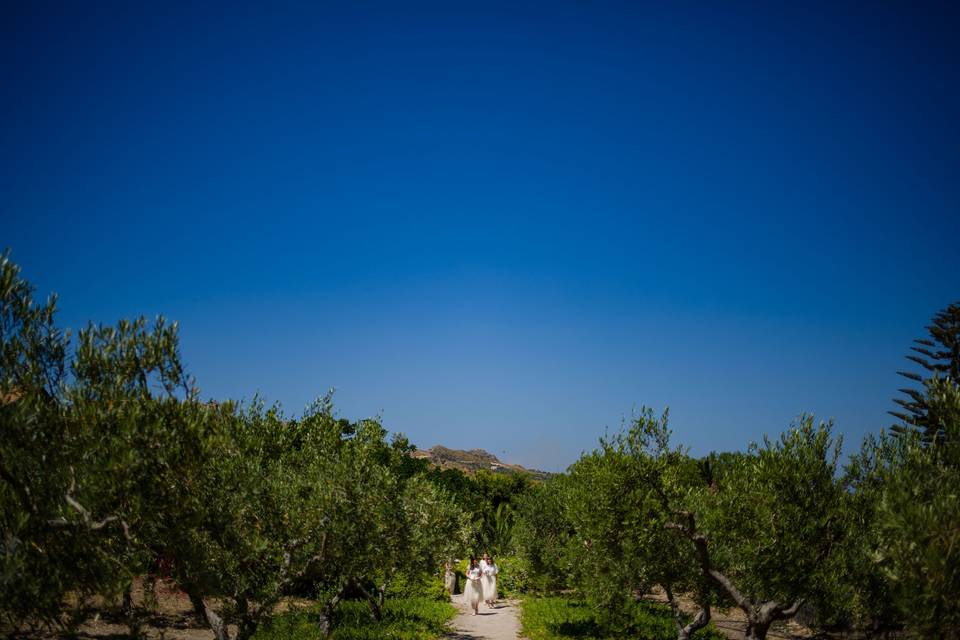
x=499 y=226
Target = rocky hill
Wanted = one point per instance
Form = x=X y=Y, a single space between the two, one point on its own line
x=473 y=460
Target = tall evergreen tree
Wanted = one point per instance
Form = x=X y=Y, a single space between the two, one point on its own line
x=940 y=356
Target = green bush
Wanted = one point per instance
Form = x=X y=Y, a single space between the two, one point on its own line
x=407 y=585
x=512 y=579
x=562 y=618
x=409 y=618
x=543 y=535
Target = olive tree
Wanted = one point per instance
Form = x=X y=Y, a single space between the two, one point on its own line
x=769 y=533
x=110 y=463
x=74 y=452
x=867 y=601
x=408 y=525
x=423 y=527
x=281 y=506
x=621 y=504
x=37 y=563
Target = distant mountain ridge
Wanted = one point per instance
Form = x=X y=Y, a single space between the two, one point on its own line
x=472 y=461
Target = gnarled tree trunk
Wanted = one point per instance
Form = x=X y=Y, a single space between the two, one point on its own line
x=130 y=613
x=204 y=611
x=326 y=614
x=197 y=603
x=247 y=620
x=374 y=599
x=700 y=620
x=381 y=599
x=760 y=615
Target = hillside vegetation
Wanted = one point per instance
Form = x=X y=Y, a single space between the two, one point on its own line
x=473 y=461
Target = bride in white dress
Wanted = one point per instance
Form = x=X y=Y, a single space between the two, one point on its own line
x=473 y=591
x=489 y=570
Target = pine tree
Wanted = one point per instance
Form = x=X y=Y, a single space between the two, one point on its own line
x=940 y=356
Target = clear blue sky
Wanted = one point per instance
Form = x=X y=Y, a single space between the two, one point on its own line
x=499 y=226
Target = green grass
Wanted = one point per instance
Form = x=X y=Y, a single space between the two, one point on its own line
x=410 y=618
x=567 y=618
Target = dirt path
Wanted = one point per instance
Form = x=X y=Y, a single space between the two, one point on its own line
x=501 y=623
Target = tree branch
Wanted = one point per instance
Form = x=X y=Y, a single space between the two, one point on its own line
x=689 y=529
x=792 y=610
x=699 y=621
x=88 y=520
x=287 y=580
x=742 y=601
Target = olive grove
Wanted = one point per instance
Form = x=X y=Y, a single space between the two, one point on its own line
x=870 y=543
x=114 y=472
x=111 y=467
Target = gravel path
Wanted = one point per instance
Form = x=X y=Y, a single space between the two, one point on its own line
x=500 y=623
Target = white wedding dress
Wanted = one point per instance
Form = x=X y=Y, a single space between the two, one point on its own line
x=490 y=572
x=473 y=591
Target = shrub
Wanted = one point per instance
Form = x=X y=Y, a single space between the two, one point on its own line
x=406 y=618
x=512 y=579
x=568 y=618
